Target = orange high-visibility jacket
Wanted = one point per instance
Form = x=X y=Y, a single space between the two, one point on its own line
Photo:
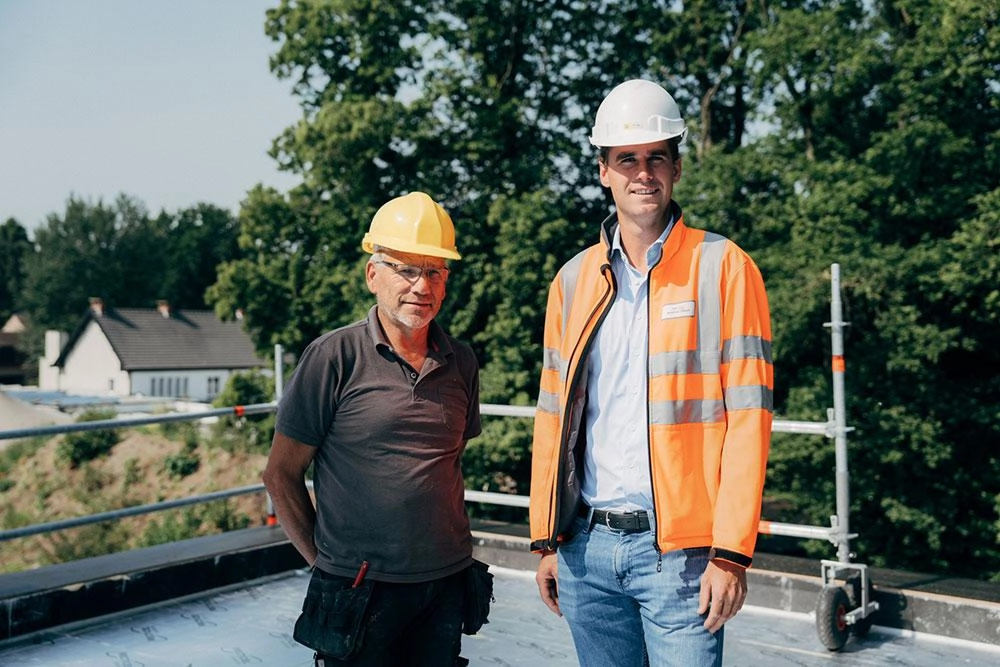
x=710 y=388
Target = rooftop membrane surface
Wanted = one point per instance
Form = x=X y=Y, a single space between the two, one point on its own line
x=252 y=625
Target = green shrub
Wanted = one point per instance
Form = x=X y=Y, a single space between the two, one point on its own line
x=17 y=450
x=185 y=431
x=218 y=516
x=83 y=446
x=223 y=517
x=86 y=542
x=173 y=527
x=183 y=463
x=132 y=473
x=250 y=433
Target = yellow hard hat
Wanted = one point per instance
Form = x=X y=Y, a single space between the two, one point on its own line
x=413 y=223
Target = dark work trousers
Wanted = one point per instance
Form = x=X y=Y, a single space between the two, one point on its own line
x=411 y=625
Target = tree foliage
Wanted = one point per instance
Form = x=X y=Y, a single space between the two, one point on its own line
x=846 y=131
x=119 y=253
x=863 y=132
x=14 y=245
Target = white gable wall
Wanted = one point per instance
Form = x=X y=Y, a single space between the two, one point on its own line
x=93 y=368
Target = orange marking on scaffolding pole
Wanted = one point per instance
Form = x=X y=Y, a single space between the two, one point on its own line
x=838 y=364
x=239 y=410
x=764 y=527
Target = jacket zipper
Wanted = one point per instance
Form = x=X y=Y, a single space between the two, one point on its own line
x=564 y=436
x=649 y=437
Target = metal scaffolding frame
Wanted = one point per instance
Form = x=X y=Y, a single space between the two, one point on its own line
x=840 y=608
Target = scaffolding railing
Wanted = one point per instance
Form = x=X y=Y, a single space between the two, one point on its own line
x=489 y=497
x=838 y=608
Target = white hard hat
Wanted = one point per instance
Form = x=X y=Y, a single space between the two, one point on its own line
x=637 y=112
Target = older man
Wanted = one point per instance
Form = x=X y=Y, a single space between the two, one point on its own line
x=383 y=408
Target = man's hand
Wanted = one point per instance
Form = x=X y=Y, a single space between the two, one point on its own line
x=548 y=581
x=723 y=590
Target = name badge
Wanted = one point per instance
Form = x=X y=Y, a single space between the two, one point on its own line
x=672 y=311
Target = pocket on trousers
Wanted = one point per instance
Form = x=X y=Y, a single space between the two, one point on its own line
x=333 y=615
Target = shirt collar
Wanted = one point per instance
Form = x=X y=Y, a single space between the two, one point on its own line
x=653 y=254
x=437 y=341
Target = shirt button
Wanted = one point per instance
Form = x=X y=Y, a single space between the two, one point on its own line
x=413 y=376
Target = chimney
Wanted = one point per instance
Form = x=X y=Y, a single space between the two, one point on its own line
x=97 y=306
x=164 y=307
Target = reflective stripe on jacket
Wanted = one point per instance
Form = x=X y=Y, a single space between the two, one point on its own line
x=710 y=388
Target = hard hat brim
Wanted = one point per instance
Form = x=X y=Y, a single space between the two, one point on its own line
x=411 y=248
x=634 y=138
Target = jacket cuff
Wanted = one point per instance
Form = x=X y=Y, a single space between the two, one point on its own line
x=541 y=547
x=731 y=556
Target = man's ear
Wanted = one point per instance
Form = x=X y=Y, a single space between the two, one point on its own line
x=602 y=171
x=370 y=276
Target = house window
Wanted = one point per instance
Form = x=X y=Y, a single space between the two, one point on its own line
x=111 y=384
x=185 y=392
x=213 y=387
x=152 y=387
x=161 y=387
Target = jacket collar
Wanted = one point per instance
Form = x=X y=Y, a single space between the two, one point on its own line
x=670 y=246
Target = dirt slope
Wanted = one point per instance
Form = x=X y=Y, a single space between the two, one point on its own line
x=42 y=488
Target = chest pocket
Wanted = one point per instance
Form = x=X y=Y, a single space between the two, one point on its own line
x=454 y=401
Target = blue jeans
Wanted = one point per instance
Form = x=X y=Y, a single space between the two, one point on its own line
x=623 y=612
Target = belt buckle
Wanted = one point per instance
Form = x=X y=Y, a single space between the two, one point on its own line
x=628 y=521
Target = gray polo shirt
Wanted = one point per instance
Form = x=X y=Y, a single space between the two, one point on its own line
x=387 y=472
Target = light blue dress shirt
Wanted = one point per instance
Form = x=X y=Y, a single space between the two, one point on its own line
x=616 y=464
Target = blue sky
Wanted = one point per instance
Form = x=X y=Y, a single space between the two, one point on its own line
x=169 y=101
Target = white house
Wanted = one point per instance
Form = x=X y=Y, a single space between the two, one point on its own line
x=160 y=352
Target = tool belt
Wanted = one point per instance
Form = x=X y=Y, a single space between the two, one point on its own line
x=478 y=596
x=333 y=615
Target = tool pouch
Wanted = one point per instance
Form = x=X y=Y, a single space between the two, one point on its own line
x=478 y=596
x=333 y=615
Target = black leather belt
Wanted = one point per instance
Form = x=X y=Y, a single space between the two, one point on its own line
x=626 y=522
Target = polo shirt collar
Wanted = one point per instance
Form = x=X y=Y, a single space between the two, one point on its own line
x=436 y=337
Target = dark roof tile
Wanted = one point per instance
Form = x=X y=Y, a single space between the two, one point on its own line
x=188 y=339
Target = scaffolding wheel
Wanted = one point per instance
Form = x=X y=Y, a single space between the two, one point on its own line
x=831 y=617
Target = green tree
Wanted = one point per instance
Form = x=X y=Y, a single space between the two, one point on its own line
x=198 y=239
x=14 y=245
x=885 y=141
x=858 y=132
x=75 y=258
x=118 y=253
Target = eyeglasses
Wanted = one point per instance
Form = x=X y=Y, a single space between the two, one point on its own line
x=411 y=274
